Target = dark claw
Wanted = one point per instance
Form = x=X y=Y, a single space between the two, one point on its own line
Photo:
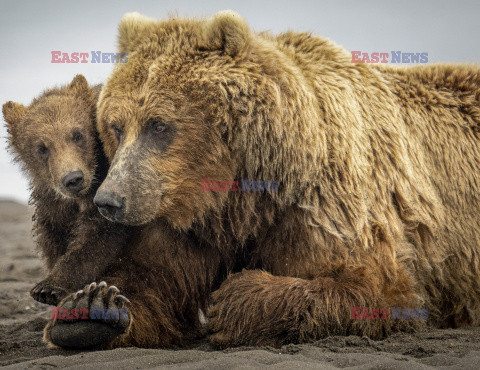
x=90 y=287
x=111 y=292
x=44 y=293
x=122 y=298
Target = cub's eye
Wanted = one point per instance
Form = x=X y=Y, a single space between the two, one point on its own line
x=157 y=126
x=42 y=150
x=77 y=136
x=118 y=133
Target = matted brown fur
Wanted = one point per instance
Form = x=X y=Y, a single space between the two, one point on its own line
x=52 y=137
x=379 y=173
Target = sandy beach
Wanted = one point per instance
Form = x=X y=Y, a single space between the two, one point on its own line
x=22 y=320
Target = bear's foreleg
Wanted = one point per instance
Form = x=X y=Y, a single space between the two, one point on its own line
x=167 y=279
x=256 y=308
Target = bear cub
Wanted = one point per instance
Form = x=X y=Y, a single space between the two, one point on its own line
x=56 y=142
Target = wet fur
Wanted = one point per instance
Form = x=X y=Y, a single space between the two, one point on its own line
x=379 y=185
x=76 y=243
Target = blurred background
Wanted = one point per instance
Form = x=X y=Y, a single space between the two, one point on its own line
x=29 y=30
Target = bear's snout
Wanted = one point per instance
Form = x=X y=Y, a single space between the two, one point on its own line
x=73 y=181
x=110 y=204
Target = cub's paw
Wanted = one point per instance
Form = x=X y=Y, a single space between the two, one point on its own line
x=46 y=292
x=91 y=317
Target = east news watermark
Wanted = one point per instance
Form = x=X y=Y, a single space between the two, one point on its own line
x=393 y=313
x=239 y=185
x=59 y=313
x=83 y=57
x=393 y=57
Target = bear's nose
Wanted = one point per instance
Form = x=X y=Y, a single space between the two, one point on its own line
x=73 y=181
x=110 y=204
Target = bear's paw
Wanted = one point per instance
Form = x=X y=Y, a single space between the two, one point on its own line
x=91 y=317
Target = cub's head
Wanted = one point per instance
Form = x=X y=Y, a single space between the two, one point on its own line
x=55 y=140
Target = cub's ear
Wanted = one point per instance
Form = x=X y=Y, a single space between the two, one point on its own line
x=82 y=90
x=13 y=113
x=226 y=31
x=131 y=28
x=79 y=84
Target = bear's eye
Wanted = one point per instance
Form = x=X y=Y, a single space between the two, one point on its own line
x=118 y=133
x=157 y=126
x=42 y=150
x=77 y=136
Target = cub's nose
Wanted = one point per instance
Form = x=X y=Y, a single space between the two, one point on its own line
x=73 y=181
x=110 y=204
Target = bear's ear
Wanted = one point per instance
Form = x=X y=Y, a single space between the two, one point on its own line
x=130 y=29
x=13 y=113
x=226 y=31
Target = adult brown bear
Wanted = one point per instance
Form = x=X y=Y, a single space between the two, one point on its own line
x=378 y=171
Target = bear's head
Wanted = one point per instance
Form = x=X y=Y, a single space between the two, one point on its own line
x=55 y=139
x=197 y=99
